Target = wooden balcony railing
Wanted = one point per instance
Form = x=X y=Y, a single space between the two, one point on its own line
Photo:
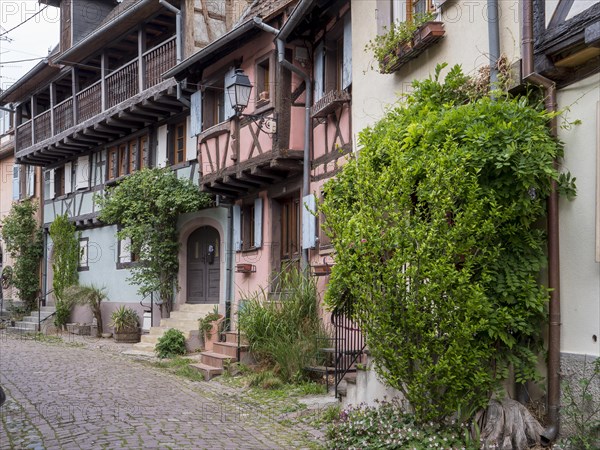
x=89 y=101
x=122 y=84
x=24 y=135
x=157 y=61
x=119 y=86
x=63 y=115
x=42 y=126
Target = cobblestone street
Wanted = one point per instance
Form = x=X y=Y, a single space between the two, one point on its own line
x=68 y=397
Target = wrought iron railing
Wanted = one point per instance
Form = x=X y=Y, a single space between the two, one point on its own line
x=349 y=341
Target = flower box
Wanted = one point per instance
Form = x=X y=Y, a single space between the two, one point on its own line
x=245 y=268
x=321 y=270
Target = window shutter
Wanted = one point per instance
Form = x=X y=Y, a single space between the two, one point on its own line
x=125 y=251
x=347 y=61
x=229 y=111
x=309 y=221
x=49 y=184
x=237 y=229
x=68 y=177
x=196 y=113
x=384 y=15
x=258 y=214
x=82 y=178
x=30 y=181
x=319 y=71
x=16 y=194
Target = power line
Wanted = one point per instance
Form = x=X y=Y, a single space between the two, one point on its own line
x=2 y=63
x=25 y=21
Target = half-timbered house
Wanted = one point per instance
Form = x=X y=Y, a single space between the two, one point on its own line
x=98 y=109
x=269 y=155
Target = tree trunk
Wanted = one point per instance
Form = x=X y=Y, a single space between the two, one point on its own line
x=508 y=426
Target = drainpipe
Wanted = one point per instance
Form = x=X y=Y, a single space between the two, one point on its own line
x=178 y=44
x=494 y=38
x=530 y=76
x=308 y=82
x=229 y=269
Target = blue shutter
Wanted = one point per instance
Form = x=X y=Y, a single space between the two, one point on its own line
x=309 y=221
x=258 y=214
x=237 y=229
x=347 y=59
x=16 y=186
x=196 y=113
x=319 y=67
x=229 y=112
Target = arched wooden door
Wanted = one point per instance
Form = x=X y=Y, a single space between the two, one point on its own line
x=203 y=266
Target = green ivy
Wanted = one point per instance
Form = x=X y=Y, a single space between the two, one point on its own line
x=147 y=205
x=23 y=238
x=438 y=244
x=65 y=259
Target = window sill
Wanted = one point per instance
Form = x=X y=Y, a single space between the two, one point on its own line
x=83 y=269
x=128 y=265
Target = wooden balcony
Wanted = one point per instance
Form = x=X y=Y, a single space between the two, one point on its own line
x=124 y=100
x=231 y=171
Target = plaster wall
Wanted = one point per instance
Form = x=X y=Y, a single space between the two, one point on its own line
x=465 y=43
x=580 y=271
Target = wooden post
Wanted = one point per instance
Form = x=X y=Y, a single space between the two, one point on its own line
x=33 y=104
x=141 y=67
x=103 y=70
x=75 y=90
x=52 y=103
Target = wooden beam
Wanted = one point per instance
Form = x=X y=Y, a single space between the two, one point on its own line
x=140 y=118
x=161 y=107
x=247 y=184
x=260 y=172
x=120 y=123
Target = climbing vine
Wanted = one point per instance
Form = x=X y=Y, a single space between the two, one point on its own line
x=147 y=205
x=65 y=259
x=23 y=238
x=438 y=246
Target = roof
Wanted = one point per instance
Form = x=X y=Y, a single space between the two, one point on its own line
x=124 y=17
x=244 y=29
x=36 y=77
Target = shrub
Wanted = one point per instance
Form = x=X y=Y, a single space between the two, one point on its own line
x=170 y=344
x=284 y=333
x=436 y=229
x=387 y=427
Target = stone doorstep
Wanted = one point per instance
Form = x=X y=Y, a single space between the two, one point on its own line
x=209 y=372
x=228 y=348
x=216 y=359
x=232 y=337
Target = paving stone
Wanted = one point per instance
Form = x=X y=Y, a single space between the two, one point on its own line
x=64 y=396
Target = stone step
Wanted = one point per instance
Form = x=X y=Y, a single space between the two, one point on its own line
x=215 y=359
x=186 y=315
x=208 y=371
x=48 y=309
x=232 y=337
x=150 y=339
x=228 y=348
x=144 y=347
x=19 y=330
x=28 y=325
x=199 y=309
x=183 y=325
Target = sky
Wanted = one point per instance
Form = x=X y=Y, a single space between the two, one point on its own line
x=32 y=40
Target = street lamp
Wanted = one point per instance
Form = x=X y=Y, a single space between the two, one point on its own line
x=238 y=91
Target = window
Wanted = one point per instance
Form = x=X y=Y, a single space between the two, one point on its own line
x=5 y=121
x=333 y=60
x=125 y=256
x=290 y=228
x=59 y=181
x=83 y=254
x=98 y=167
x=213 y=109
x=247 y=226
x=389 y=12
x=263 y=82
x=324 y=240
x=179 y=139
x=127 y=157
x=49 y=184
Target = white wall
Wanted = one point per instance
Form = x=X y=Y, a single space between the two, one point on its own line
x=580 y=273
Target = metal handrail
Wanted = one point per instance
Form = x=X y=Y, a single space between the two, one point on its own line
x=39 y=327
x=350 y=343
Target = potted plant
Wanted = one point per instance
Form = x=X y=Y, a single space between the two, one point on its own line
x=91 y=296
x=209 y=327
x=126 y=325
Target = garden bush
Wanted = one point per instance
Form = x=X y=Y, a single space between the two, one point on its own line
x=284 y=333
x=170 y=344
